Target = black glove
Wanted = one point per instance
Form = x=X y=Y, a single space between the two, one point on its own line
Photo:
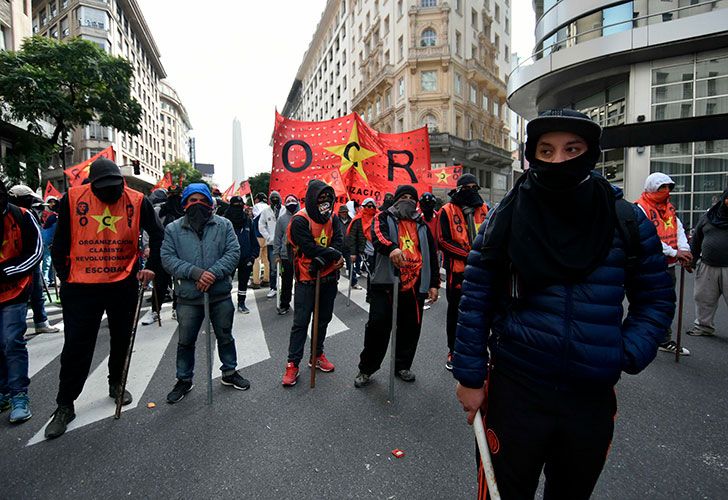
x=317 y=263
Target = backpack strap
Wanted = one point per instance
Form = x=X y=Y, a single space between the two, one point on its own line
x=629 y=231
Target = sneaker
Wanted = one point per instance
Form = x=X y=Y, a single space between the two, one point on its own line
x=236 y=380
x=61 y=418
x=356 y=287
x=283 y=310
x=271 y=293
x=46 y=328
x=323 y=364
x=695 y=332
x=125 y=399
x=289 y=378
x=174 y=314
x=243 y=309
x=406 y=375
x=150 y=318
x=361 y=380
x=254 y=286
x=181 y=388
x=426 y=307
x=5 y=402
x=448 y=363
x=672 y=347
x=21 y=409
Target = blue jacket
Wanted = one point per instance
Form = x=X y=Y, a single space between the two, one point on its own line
x=249 y=247
x=568 y=337
x=185 y=256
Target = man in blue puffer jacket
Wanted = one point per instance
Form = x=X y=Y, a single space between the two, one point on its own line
x=543 y=293
x=201 y=252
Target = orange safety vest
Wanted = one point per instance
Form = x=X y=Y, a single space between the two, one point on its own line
x=459 y=230
x=666 y=228
x=409 y=243
x=104 y=238
x=12 y=246
x=322 y=234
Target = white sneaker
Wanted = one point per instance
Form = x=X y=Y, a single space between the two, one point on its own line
x=150 y=318
x=271 y=293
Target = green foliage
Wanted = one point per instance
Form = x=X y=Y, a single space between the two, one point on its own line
x=185 y=168
x=260 y=183
x=67 y=84
x=21 y=164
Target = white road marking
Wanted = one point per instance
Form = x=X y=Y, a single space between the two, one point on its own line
x=358 y=297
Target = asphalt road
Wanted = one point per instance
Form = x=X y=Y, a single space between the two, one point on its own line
x=335 y=441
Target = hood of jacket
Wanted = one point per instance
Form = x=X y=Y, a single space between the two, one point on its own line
x=315 y=189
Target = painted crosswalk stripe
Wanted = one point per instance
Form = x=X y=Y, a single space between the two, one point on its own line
x=94 y=403
x=358 y=297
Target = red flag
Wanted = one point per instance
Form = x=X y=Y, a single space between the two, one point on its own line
x=370 y=164
x=229 y=192
x=165 y=182
x=445 y=177
x=181 y=179
x=78 y=173
x=243 y=188
x=334 y=180
x=51 y=191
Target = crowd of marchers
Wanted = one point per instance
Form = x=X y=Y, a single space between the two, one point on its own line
x=536 y=334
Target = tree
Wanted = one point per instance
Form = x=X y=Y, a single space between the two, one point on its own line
x=260 y=183
x=185 y=169
x=68 y=84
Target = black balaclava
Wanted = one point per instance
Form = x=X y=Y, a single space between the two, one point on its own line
x=235 y=213
x=718 y=213
x=427 y=205
x=107 y=183
x=109 y=194
x=466 y=197
x=275 y=202
x=404 y=209
x=388 y=200
x=319 y=211
x=292 y=204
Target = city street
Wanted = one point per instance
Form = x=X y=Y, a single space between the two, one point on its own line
x=336 y=441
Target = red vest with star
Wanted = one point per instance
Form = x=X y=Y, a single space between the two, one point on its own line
x=12 y=246
x=409 y=243
x=322 y=234
x=459 y=229
x=104 y=238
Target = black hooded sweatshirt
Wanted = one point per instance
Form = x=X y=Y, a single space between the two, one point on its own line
x=301 y=232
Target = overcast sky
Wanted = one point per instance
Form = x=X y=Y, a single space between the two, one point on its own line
x=228 y=59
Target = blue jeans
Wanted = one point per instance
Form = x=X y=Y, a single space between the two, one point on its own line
x=48 y=272
x=13 y=354
x=190 y=318
x=37 y=300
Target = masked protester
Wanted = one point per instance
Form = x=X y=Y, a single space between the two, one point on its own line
x=24 y=197
x=655 y=203
x=157 y=198
x=201 y=251
x=249 y=249
x=281 y=254
x=48 y=230
x=267 y=227
x=95 y=253
x=171 y=210
x=388 y=200
x=20 y=254
x=541 y=318
x=459 y=222
x=405 y=248
x=316 y=243
x=709 y=248
x=360 y=237
x=262 y=262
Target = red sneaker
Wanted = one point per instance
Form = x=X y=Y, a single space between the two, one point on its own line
x=323 y=364
x=289 y=378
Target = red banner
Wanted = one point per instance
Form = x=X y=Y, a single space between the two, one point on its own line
x=165 y=182
x=243 y=188
x=229 y=192
x=78 y=173
x=51 y=191
x=370 y=164
x=445 y=177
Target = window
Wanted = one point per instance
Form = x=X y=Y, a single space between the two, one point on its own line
x=430 y=121
x=496 y=42
x=93 y=18
x=65 y=31
x=400 y=48
x=496 y=13
x=53 y=9
x=43 y=17
x=474 y=19
x=95 y=131
x=400 y=8
x=53 y=32
x=458 y=84
x=101 y=42
x=428 y=81
x=428 y=38
x=459 y=6
x=507 y=25
x=400 y=88
x=400 y=125
x=458 y=42
x=485 y=102
x=474 y=52
x=496 y=108
x=3 y=45
x=473 y=93
x=428 y=3
x=386 y=26
x=506 y=53
x=378 y=107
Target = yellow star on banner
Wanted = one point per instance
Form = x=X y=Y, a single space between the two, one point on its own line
x=408 y=244
x=668 y=223
x=2 y=254
x=442 y=176
x=322 y=239
x=352 y=154
x=106 y=221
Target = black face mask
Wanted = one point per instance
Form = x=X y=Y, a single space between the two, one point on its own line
x=198 y=215
x=467 y=198
x=292 y=208
x=404 y=209
x=563 y=175
x=108 y=194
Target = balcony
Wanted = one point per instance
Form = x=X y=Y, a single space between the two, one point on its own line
x=385 y=76
x=421 y=54
x=484 y=75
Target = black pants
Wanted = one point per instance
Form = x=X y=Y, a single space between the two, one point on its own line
x=303 y=304
x=83 y=306
x=161 y=283
x=286 y=283
x=531 y=428
x=245 y=267
x=379 y=327
x=453 y=292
